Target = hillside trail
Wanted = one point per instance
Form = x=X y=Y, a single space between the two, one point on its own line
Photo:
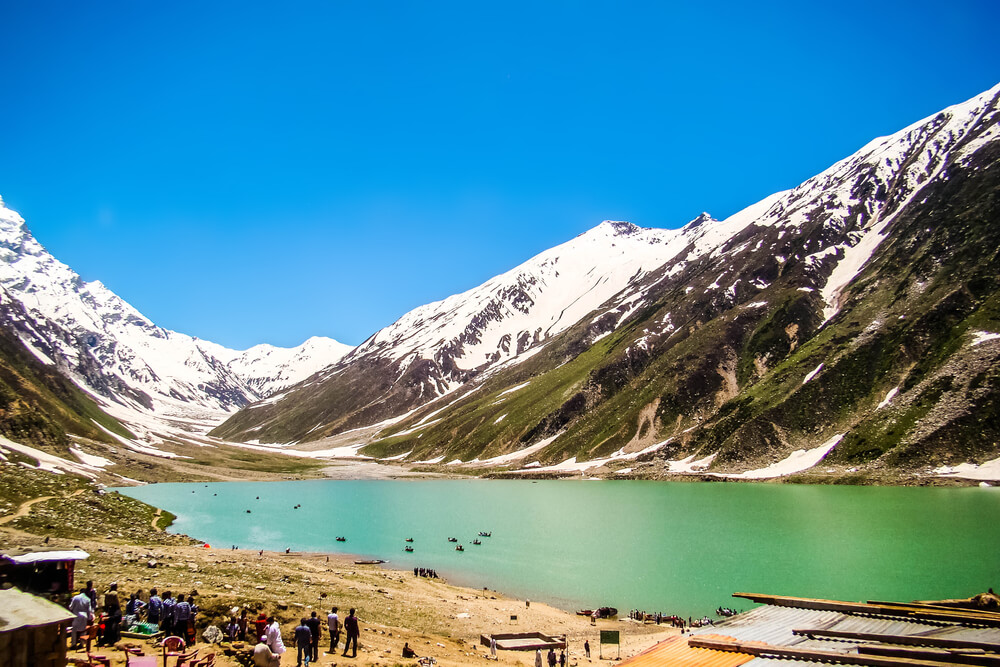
x=156 y=517
x=25 y=507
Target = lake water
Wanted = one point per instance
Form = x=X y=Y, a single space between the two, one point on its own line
x=659 y=546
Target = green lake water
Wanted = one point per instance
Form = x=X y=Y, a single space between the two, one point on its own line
x=658 y=546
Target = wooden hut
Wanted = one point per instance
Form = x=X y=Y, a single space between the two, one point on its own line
x=32 y=631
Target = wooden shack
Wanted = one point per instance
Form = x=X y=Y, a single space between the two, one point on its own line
x=32 y=631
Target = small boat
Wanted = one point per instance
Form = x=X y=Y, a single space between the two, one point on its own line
x=341 y=539
x=408 y=549
x=459 y=548
x=483 y=533
x=476 y=541
x=409 y=539
x=375 y=561
x=603 y=612
x=453 y=539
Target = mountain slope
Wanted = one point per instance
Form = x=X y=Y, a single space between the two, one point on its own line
x=839 y=315
x=112 y=351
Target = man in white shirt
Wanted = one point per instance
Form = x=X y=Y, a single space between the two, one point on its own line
x=274 y=638
x=333 y=623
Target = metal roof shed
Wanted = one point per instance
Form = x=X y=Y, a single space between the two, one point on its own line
x=32 y=631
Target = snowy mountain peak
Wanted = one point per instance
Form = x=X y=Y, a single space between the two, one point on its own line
x=114 y=352
x=700 y=220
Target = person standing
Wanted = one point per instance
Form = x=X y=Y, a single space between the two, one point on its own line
x=113 y=616
x=333 y=624
x=538 y=657
x=315 y=627
x=261 y=624
x=191 y=636
x=154 y=607
x=241 y=626
x=83 y=614
x=273 y=635
x=562 y=658
x=586 y=647
x=92 y=594
x=182 y=615
x=353 y=632
x=167 y=614
x=303 y=643
x=552 y=657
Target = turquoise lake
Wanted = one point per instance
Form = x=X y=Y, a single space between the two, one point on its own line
x=658 y=546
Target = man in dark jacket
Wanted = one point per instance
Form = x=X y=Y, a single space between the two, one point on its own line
x=314 y=627
x=353 y=631
x=303 y=643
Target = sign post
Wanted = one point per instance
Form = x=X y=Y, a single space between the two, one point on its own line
x=610 y=637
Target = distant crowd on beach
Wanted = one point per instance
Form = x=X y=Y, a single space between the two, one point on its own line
x=672 y=620
x=425 y=572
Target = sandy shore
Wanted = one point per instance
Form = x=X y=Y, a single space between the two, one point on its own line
x=436 y=618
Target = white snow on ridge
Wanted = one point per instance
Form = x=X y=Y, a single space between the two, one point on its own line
x=797 y=461
x=888 y=398
x=812 y=373
x=983 y=336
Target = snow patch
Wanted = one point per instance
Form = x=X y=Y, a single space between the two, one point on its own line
x=813 y=373
x=982 y=336
x=888 y=398
x=989 y=471
x=797 y=461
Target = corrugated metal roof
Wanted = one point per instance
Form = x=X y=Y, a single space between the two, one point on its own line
x=675 y=652
x=773 y=625
x=23 y=610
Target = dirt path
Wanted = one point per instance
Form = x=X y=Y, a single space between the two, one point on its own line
x=156 y=518
x=25 y=507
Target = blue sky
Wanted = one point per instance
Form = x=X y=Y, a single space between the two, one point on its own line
x=248 y=173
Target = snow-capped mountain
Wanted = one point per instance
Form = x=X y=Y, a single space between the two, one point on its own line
x=626 y=337
x=114 y=352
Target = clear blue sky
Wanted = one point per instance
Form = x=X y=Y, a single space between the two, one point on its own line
x=250 y=172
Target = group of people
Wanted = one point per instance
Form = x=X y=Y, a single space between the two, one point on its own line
x=104 y=622
x=425 y=572
x=307 y=636
x=551 y=658
x=658 y=618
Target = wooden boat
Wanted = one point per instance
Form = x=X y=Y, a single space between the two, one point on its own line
x=459 y=548
x=408 y=549
x=603 y=612
x=341 y=539
x=453 y=539
x=483 y=533
x=476 y=542
x=375 y=561
x=409 y=539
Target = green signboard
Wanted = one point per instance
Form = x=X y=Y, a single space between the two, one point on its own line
x=609 y=637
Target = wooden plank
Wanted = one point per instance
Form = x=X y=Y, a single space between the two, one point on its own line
x=765 y=650
x=906 y=640
x=865 y=608
x=942 y=655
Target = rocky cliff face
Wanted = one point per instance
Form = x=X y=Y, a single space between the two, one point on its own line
x=855 y=313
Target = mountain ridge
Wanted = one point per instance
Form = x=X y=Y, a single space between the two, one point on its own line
x=814 y=241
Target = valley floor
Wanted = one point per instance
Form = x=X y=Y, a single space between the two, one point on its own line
x=434 y=617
